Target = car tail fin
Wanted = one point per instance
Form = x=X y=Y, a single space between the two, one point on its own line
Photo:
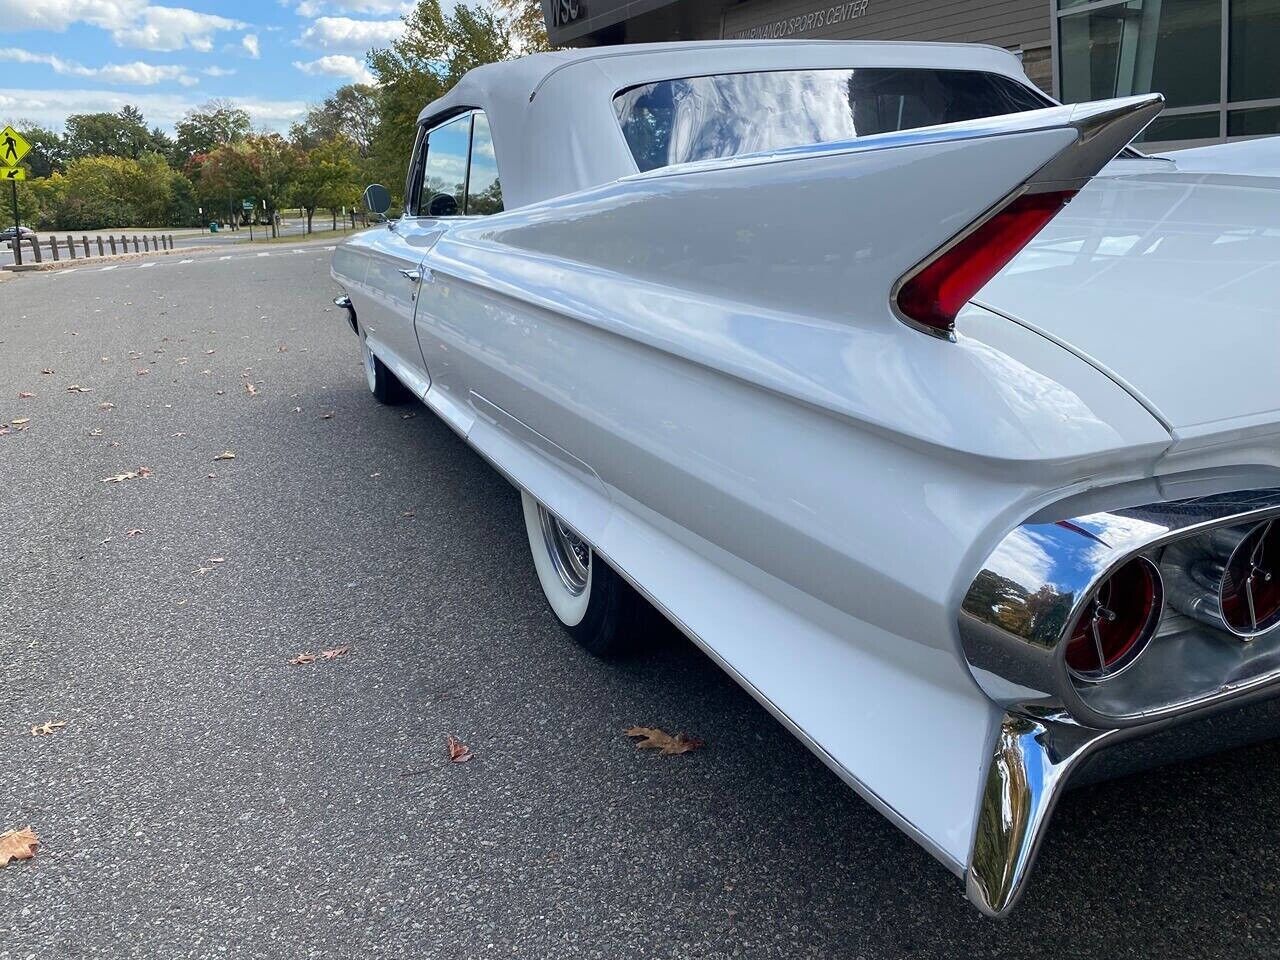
x=930 y=295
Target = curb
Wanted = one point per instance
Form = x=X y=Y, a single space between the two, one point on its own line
x=109 y=258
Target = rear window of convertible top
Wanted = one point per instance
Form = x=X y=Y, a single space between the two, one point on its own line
x=705 y=118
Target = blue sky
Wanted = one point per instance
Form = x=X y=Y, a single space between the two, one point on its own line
x=272 y=57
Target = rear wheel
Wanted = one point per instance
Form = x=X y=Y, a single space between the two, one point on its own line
x=382 y=382
x=595 y=606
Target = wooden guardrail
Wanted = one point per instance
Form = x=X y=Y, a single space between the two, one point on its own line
x=145 y=244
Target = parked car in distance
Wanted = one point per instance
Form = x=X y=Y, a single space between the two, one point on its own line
x=8 y=233
x=941 y=418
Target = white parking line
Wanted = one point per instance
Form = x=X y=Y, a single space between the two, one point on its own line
x=113 y=266
x=264 y=254
x=224 y=258
x=143 y=266
x=188 y=260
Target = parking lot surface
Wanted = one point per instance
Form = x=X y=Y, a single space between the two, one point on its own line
x=206 y=798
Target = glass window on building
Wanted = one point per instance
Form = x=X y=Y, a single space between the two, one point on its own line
x=1175 y=47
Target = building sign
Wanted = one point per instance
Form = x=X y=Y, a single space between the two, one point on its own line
x=566 y=11
x=803 y=23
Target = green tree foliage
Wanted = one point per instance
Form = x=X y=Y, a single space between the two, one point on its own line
x=210 y=125
x=527 y=25
x=431 y=55
x=104 y=192
x=48 y=149
x=327 y=176
x=122 y=134
x=349 y=113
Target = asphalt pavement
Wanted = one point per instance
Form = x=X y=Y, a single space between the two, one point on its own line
x=207 y=799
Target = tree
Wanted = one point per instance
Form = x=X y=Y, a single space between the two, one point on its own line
x=329 y=176
x=349 y=112
x=526 y=24
x=430 y=56
x=212 y=124
x=48 y=149
x=122 y=134
x=272 y=163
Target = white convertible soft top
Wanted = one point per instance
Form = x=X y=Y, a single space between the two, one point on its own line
x=554 y=128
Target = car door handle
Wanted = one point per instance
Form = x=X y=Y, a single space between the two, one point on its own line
x=413 y=276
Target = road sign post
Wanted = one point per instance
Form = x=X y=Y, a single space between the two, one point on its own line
x=12 y=149
x=247 y=206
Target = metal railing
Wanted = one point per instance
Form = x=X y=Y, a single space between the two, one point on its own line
x=144 y=243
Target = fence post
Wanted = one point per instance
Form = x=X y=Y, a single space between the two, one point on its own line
x=85 y=241
x=145 y=246
x=112 y=241
x=100 y=253
x=71 y=246
x=135 y=243
x=35 y=248
x=53 y=247
x=154 y=244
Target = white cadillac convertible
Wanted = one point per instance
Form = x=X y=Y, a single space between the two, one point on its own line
x=946 y=422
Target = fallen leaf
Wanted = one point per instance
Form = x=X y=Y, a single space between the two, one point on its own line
x=209 y=353
x=334 y=653
x=183 y=360
x=17 y=845
x=327 y=416
x=407 y=416
x=459 y=752
x=225 y=455
x=96 y=432
x=76 y=388
x=409 y=513
x=651 y=738
x=106 y=405
x=221 y=392
x=140 y=474
x=48 y=728
x=216 y=560
x=19 y=421
x=142 y=372
x=250 y=389
x=5 y=431
x=132 y=533
x=375 y=474
x=24 y=395
x=47 y=370
x=302 y=658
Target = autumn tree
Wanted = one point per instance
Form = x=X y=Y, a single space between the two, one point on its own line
x=212 y=124
x=349 y=113
x=526 y=24
x=431 y=55
x=327 y=176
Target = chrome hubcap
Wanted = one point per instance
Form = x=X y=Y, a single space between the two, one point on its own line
x=570 y=554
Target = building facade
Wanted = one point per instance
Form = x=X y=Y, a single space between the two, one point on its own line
x=1216 y=61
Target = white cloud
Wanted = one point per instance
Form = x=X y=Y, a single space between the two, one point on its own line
x=376 y=8
x=137 y=74
x=132 y=23
x=173 y=28
x=337 y=65
x=249 y=43
x=50 y=107
x=218 y=72
x=352 y=36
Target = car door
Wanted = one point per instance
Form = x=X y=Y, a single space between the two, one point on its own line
x=458 y=184
x=394 y=275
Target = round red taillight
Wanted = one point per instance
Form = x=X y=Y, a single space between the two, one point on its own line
x=1250 y=591
x=1117 y=621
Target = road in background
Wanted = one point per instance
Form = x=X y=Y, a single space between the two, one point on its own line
x=206 y=798
x=295 y=229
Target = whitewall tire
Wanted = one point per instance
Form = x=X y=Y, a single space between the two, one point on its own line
x=381 y=381
x=595 y=606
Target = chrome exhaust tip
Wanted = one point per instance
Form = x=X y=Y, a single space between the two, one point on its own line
x=345 y=303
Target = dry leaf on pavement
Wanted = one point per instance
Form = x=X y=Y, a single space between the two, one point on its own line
x=140 y=474
x=47 y=370
x=225 y=455
x=25 y=395
x=334 y=653
x=132 y=533
x=19 y=421
x=651 y=738
x=302 y=658
x=48 y=728
x=459 y=752
x=327 y=416
x=76 y=388
x=250 y=389
x=142 y=372
x=106 y=405
x=17 y=845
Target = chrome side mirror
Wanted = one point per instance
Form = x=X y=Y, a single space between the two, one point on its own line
x=377 y=199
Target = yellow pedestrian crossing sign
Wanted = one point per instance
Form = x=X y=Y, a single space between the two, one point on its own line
x=13 y=173
x=12 y=148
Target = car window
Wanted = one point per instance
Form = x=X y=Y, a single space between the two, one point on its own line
x=704 y=118
x=444 y=176
x=484 y=193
